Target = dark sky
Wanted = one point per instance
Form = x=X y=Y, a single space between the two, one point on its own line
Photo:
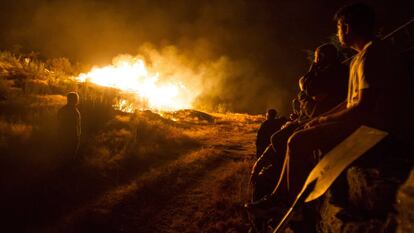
x=263 y=42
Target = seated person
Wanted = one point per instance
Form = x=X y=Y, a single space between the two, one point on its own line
x=310 y=106
x=326 y=80
x=326 y=70
x=267 y=128
x=377 y=92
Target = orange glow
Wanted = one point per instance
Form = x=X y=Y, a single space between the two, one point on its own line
x=130 y=74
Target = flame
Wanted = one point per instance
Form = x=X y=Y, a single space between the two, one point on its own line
x=130 y=74
x=124 y=106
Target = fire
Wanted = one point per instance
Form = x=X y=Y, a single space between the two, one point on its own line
x=130 y=74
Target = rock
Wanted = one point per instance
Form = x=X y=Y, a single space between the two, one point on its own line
x=369 y=206
x=329 y=222
x=370 y=192
x=340 y=219
x=405 y=206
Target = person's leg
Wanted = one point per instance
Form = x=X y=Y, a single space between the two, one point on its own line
x=300 y=157
x=270 y=163
x=278 y=144
x=274 y=155
x=279 y=139
x=261 y=182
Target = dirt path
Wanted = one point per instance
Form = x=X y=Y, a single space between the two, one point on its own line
x=202 y=191
x=198 y=209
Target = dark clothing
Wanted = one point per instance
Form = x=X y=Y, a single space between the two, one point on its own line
x=375 y=71
x=69 y=130
x=327 y=86
x=267 y=168
x=378 y=69
x=267 y=128
x=303 y=150
x=323 y=89
x=264 y=172
x=307 y=106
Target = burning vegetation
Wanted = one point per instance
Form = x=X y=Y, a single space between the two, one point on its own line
x=130 y=156
x=131 y=75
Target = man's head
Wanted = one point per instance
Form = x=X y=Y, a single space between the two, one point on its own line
x=355 y=22
x=271 y=114
x=72 y=98
x=326 y=54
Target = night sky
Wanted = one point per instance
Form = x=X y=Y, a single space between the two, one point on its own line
x=263 y=42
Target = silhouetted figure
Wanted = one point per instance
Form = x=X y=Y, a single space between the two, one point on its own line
x=267 y=128
x=69 y=128
x=314 y=96
x=321 y=88
x=326 y=81
x=377 y=95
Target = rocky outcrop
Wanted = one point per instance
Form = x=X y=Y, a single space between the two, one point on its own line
x=405 y=206
x=376 y=196
x=368 y=206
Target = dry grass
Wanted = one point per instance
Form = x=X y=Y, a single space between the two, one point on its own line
x=126 y=159
x=14 y=133
x=114 y=147
x=200 y=192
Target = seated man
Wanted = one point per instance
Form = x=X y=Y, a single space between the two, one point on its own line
x=310 y=106
x=267 y=128
x=326 y=80
x=378 y=92
x=326 y=71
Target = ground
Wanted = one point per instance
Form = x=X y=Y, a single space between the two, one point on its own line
x=183 y=171
x=201 y=191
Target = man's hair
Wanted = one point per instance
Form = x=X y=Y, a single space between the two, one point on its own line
x=72 y=97
x=272 y=113
x=360 y=18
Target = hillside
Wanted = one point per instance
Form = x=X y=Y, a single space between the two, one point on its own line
x=139 y=171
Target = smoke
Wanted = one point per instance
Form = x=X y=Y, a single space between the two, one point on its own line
x=221 y=83
x=245 y=56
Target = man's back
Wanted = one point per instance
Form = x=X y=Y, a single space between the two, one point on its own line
x=267 y=128
x=69 y=122
x=378 y=68
x=328 y=86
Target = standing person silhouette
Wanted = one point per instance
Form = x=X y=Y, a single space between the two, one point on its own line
x=69 y=128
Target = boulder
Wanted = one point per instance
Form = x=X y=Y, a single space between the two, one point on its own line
x=405 y=206
x=375 y=202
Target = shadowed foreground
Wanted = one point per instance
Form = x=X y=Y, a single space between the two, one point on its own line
x=201 y=191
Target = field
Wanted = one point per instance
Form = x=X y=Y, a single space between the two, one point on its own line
x=183 y=171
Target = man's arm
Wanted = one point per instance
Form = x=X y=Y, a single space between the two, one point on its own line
x=261 y=162
x=340 y=107
x=356 y=112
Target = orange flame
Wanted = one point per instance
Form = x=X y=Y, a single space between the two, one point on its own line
x=130 y=74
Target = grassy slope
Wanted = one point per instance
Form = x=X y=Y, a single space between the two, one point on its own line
x=201 y=191
x=125 y=157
